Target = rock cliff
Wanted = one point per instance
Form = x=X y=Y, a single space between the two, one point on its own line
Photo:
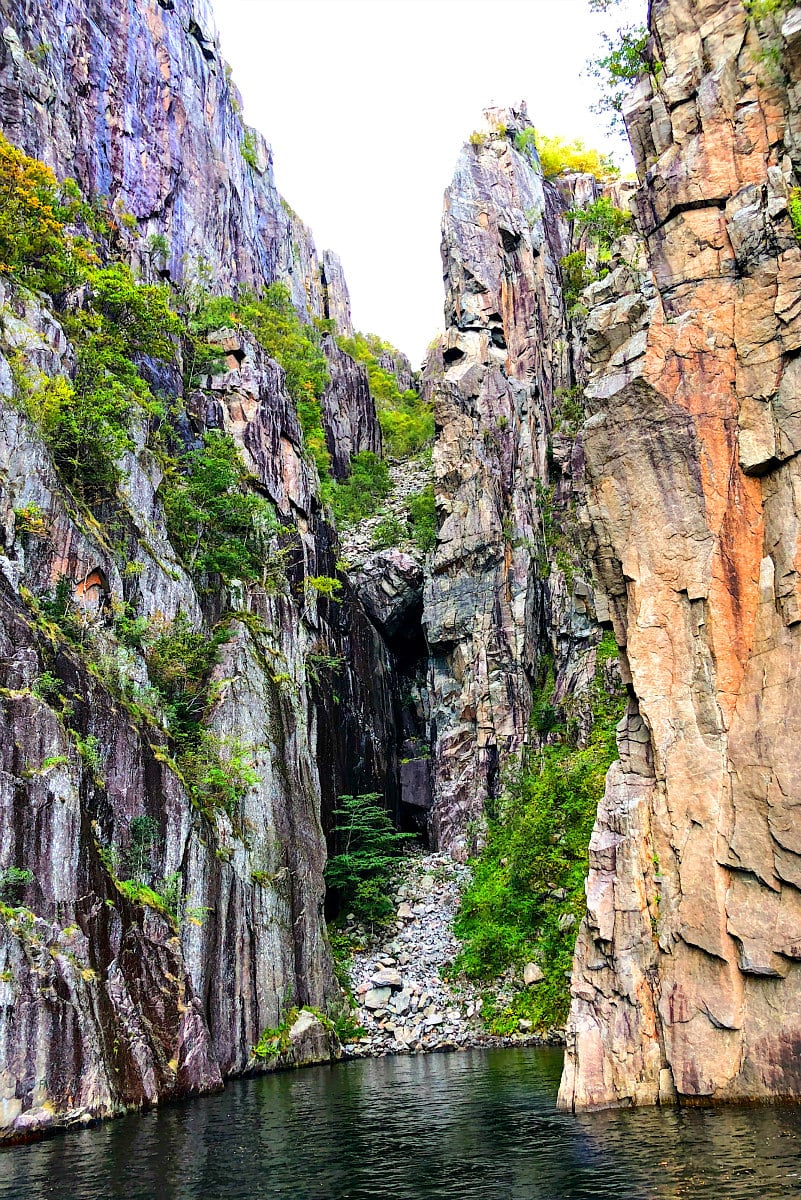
x=496 y=598
x=117 y=991
x=686 y=981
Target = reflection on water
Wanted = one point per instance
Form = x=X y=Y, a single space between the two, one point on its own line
x=479 y=1125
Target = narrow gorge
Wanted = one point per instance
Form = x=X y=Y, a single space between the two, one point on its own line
x=538 y=601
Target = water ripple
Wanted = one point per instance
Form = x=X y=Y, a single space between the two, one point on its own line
x=479 y=1125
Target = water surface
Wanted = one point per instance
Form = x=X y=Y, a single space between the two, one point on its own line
x=479 y=1125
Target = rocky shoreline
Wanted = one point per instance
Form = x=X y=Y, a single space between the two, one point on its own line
x=408 y=1001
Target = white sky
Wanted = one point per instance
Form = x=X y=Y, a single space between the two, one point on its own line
x=367 y=104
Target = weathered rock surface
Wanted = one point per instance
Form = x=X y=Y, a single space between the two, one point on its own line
x=137 y=104
x=495 y=597
x=108 y=1002
x=686 y=980
x=349 y=415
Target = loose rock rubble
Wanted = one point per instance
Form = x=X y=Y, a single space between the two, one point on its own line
x=407 y=1001
x=408 y=478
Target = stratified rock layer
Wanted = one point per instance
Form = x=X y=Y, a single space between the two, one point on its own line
x=687 y=979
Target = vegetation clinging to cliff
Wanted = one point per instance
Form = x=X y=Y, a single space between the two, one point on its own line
x=526 y=894
x=407 y=422
x=557 y=155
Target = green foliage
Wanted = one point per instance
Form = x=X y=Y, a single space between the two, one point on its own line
x=35 y=247
x=179 y=661
x=575 y=277
x=248 y=148
x=407 y=422
x=568 y=410
x=86 y=421
x=557 y=155
x=602 y=221
x=794 y=208
x=31 y=520
x=423 y=513
x=369 y=847
x=343 y=946
x=165 y=899
x=216 y=524
x=216 y=772
x=89 y=750
x=758 y=10
x=13 y=882
x=144 y=836
x=389 y=532
x=158 y=246
x=623 y=63
x=537 y=853
x=362 y=492
x=48 y=687
x=526 y=143
x=275 y=1042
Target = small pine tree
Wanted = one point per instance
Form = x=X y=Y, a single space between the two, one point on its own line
x=362 y=872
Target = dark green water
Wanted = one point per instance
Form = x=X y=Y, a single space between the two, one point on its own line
x=474 y=1126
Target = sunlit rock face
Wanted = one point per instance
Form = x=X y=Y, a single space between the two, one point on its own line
x=493 y=601
x=686 y=979
x=107 y=1003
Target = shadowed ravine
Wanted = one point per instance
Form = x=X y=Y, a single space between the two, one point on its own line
x=479 y=1125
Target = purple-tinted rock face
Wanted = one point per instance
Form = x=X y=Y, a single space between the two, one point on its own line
x=349 y=415
x=111 y=997
x=490 y=609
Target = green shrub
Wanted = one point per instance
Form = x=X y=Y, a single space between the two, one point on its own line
x=35 y=247
x=217 y=772
x=407 y=422
x=602 y=221
x=623 y=63
x=794 y=208
x=369 y=848
x=575 y=277
x=144 y=836
x=537 y=845
x=362 y=492
x=217 y=526
x=165 y=899
x=557 y=155
x=389 y=532
x=86 y=422
x=13 y=882
x=48 y=687
x=248 y=148
x=179 y=662
x=275 y=1042
x=423 y=513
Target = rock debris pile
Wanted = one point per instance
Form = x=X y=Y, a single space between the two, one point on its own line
x=409 y=477
x=407 y=999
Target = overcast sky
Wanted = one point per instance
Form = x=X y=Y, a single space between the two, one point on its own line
x=367 y=104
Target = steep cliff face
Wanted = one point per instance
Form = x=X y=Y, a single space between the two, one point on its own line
x=686 y=980
x=117 y=994
x=496 y=600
